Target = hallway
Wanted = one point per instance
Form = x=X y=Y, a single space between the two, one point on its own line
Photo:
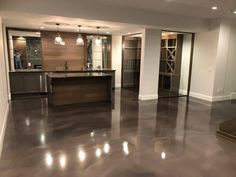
x=127 y=138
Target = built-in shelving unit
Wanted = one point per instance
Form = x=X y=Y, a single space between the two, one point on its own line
x=170 y=63
x=131 y=61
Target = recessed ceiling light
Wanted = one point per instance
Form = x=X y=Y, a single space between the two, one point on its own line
x=214 y=8
x=108 y=32
x=41 y=27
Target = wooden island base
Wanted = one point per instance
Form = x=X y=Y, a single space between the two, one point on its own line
x=74 y=88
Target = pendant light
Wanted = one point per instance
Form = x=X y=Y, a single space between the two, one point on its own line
x=79 y=40
x=58 y=40
x=62 y=43
x=98 y=40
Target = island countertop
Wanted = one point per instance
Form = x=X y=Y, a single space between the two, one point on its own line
x=74 y=75
x=58 y=71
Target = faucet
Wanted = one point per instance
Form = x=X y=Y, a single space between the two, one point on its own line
x=66 y=66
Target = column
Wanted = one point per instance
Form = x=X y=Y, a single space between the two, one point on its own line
x=150 y=61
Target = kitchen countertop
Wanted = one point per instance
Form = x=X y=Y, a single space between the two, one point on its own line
x=40 y=70
x=76 y=75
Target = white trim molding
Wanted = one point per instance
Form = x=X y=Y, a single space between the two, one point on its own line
x=233 y=96
x=210 y=98
x=9 y=97
x=183 y=92
x=221 y=98
x=200 y=96
x=147 y=97
x=118 y=86
x=3 y=130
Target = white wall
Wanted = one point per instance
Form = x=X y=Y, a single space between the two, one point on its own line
x=150 y=64
x=221 y=59
x=3 y=88
x=230 y=73
x=214 y=62
x=204 y=62
x=185 y=62
x=117 y=57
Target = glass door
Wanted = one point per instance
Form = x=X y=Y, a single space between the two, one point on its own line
x=175 y=63
x=131 y=61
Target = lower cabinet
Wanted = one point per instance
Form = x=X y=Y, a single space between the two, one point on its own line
x=112 y=73
x=35 y=82
x=31 y=82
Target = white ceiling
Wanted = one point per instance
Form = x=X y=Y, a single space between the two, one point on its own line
x=193 y=8
x=33 y=21
x=186 y=14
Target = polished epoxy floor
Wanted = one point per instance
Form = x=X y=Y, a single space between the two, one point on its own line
x=171 y=138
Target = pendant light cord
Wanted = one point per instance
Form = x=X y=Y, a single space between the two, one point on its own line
x=58 y=29
x=79 y=27
x=98 y=32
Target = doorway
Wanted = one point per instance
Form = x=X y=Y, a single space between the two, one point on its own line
x=175 y=64
x=131 y=57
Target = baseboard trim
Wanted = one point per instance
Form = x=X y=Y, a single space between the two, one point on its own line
x=209 y=98
x=221 y=98
x=9 y=97
x=2 y=132
x=147 y=97
x=183 y=92
x=233 y=96
x=200 y=96
x=118 y=85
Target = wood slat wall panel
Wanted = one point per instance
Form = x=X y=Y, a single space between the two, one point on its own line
x=65 y=91
x=55 y=56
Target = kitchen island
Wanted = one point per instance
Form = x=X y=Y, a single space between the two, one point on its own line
x=28 y=81
x=74 y=88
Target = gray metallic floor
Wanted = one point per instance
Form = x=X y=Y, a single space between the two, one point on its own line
x=130 y=138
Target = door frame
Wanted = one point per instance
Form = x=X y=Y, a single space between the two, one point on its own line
x=122 y=61
x=190 y=62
